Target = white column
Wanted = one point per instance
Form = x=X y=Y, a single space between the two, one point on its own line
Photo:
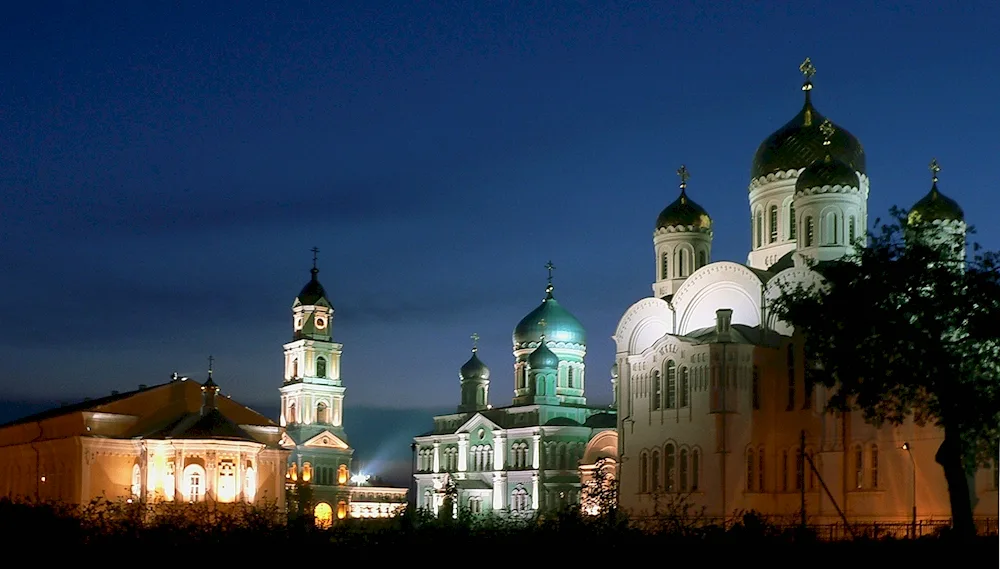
x=499 y=491
x=535 y=452
x=437 y=457
x=463 y=452
x=499 y=451
x=534 y=491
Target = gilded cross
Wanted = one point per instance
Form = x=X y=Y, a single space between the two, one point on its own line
x=550 y=266
x=808 y=69
x=542 y=324
x=827 y=130
x=315 y=252
x=211 y=360
x=935 y=169
x=683 y=173
x=475 y=341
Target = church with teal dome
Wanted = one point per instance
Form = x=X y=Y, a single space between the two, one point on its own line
x=531 y=455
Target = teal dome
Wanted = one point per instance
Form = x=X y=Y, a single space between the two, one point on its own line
x=543 y=358
x=560 y=326
x=474 y=369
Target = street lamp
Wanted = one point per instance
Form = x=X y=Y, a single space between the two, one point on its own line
x=913 y=489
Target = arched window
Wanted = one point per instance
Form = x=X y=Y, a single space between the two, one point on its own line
x=341 y=510
x=809 y=231
x=790 y=360
x=784 y=470
x=760 y=228
x=428 y=500
x=321 y=367
x=655 y=474
x=657 y=394
x=702 y=259
x=755 y=388
x=322 y=412
x=291 y=413
x=681 y=263
x=295 y=368
x=194 y=483
x=293 y=472
x=685 y=394
x=684 y=470
x=342 y=474
x=830 y=229
x=695 y=468
x=773 y=222
x=519 y=499
x=859 y=473
x=136 y=480
x=800 y=470
x=323 y=515
x=307 y=472
x=250 y=484
x=227 y=482
x=671 y=385
x=874 y=466
x=791 y=221
x=669 y=453
x=851 y=231
x=760 y=469
x=665 y=266
x=751 y=462
x=643 y=473
x=569 y=377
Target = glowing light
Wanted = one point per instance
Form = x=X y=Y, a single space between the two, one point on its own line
x=323 y=515
x=341 y=510
x=342 y=474
x=307 y=472
x=360 y=479
x=43 y=479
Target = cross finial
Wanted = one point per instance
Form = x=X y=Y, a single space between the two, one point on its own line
x=827 y=129
x=475 y=342
x=315 y=252
x=550 y=266
x=683 y=174
x=542 y=324
x=808 y=69
x=935 y=168
x=211 y=360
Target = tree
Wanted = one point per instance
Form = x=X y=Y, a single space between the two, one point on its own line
x=910 y=327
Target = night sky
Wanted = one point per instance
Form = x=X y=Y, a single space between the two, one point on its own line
x=165 y=169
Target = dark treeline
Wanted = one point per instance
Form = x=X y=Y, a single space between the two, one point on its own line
x=565 y=536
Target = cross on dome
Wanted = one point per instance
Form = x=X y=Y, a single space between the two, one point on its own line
x=550 y=267
x=475 y=342
x=808 y=70
x=542 y=324
x=934 y=168
x=210 y=362
x=315 y=252
x=827 y=129
x=684 y=175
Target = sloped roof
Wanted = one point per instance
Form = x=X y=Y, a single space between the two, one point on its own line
x=211 y=425
x=85 y=405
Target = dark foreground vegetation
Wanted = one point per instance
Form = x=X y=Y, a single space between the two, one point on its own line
x=560 y=537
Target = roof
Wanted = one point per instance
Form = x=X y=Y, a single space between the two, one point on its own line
x=85 y=405
x=739 y=334
x=211 y=425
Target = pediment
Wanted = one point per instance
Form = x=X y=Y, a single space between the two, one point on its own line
x=326 y=439
x=477 y=421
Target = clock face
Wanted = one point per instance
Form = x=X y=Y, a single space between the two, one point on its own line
x=321 y=323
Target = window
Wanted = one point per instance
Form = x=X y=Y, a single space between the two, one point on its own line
x=136 y=480
x=665 y=266
x=194 y=483
x=671 y=385
x=321 y=367
x=475 y=504
x=684 y=470
x=874 y=466
x=323 y=515
x=859 y=476
x=851 y=235
x=755 y=388
x=695 y=468
x=791 y=221
x=751 y=463
x=250 y=484
x=681 y=262
x=810 y=231
x=342 y=474
x=760 y=229
x=812 y=474
x=295 y=369
x=569 y=377
x=227 y=482
x=307 y=472
x=808 y=381
x=643 y=473
x=322 y=412
x=657 y=391
x=341 y=510
x=800 y=473
x=668 y=452
x=685 y=396
x=791 y=377
x=291 y=413
x=428 y=500
x=702 y=259
x=655 y=471
x=760 y=469
x=519 y=499
x=773 y=222
x=784 y=470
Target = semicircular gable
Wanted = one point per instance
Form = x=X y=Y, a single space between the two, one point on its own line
x=719 y=285
x=603 y=445
x=789 y=277
x=643 y=323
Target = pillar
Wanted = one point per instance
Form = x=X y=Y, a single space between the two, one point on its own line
x=534 y=491
x=463 y=452
x=499 y=491
x=437 y=456
x=499 y=451
x=536 y=441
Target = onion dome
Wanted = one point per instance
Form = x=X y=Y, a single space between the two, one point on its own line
x=474 y=369
x=683 y=211
x=935 y=206
x=827 y=171
x=560 y=326
x=800 y=142
x=313 y=291
x=543 y=357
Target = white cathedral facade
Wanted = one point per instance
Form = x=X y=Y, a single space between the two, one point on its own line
x=712 y=402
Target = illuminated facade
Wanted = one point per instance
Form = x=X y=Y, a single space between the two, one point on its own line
x=312 y=413
x=710 y=387
x=525 y=457
x=177 y=441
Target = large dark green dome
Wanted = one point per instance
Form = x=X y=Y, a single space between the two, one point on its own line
x=936 y=206
x=800 y=143
x=474 y=369
x=543 y=358
x=560 y=326
x=827 y=171
x=312 y=292
x=684 y=212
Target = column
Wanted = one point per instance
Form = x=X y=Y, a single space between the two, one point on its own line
x=499 y=451
x=463 y=452
x=338 y=410
x=534 y=491
x=178 y=474
x=536 y=441
x=437 y=456
x=499 y=491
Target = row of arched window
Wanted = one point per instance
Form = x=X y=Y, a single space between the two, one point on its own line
x=673 y=393
x=193 y=485
x=425 y=459
x=322 y=413
x=449 y=459
x=520 y=455
x=682 y=263
x=562 y=455
x=672 y=470
x=557 y=456
x=831 y=231
x=573 y=377
x=320 y=368
x=481 y=458
x=793 y=471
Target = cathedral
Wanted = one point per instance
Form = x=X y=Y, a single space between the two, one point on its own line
x=526 y=456
x=712 y=402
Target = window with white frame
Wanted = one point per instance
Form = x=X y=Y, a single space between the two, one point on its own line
x=136 y=480
x=250 y=484
x=194 y=483
x=519 y=500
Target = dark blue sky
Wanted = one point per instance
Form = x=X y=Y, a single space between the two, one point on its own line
x=165 y=169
